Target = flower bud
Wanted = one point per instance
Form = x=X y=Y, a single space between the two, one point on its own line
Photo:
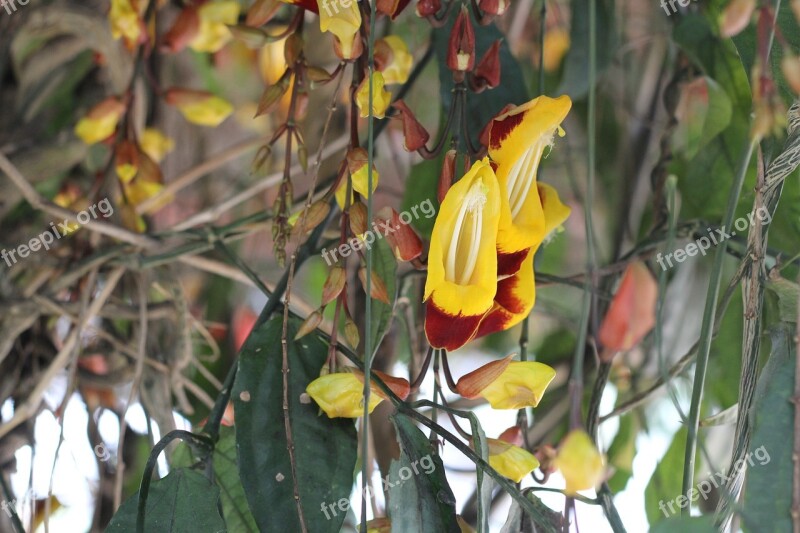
x=428 y=8
x=271 y=97
x=309 y=324
x=736 y=16
x=334 y=285
x=182 y=32
x=447 y=174
x=405 y=243
x=461 y=47
x=351 y=332
x=377 y=288
x=126 y=160
x=414 y=134
x=292 y=48
x=493 y=7
x=358 y=218
x=261 y=12
x=309 y=218
x=391 y=8
x=488 y=69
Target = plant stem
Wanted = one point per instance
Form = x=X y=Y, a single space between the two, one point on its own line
x=706 y=329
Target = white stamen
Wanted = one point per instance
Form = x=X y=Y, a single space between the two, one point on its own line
x=462 y=253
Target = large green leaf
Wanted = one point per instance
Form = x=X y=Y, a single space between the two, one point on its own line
x=237 y=513
x=419 y=497
x=622 y=452
x=484 y=106
x=184 y=501
x=324 y=448
x=421 y=185
x=768 y=490
x=575 y=82
x=705 y=179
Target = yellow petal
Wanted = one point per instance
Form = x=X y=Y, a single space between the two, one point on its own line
x=381 y=98
x=462 y=264
x=399 y=68
x=359 y=174
x=556 y=44
x=518 y=140
x=522 y=384
x=341 y=395
x=343 y=19
x=514 y=300
x=155 y=144
x=210 y=111
x=213 y=33
x=100 y=122
x=511 y=461
x=555 y=213
x=140 y=190
x=579 y=462
x=125 y=21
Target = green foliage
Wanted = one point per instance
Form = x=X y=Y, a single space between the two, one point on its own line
x=238 y=517
x=264 y=463
x=665 y=485
x=183 y=502
x=422 y=502
x=385 y=266
x=768 y=490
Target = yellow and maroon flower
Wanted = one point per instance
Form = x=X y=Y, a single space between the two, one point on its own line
x=516 y=294
x=462 y=263
x=381 y=98
x=507 y=384
x=518 y=140
x=343 y=19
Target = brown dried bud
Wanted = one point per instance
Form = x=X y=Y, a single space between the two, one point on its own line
x=415 y=136
x=306 y=220
x=405 y=243
x=461 y=47
x=262 y=12
x=309 y=324
x=334 y=285
x=488 y=68
x=447 y=175
x=185 y=28
x=377 y=288
x=358 y=218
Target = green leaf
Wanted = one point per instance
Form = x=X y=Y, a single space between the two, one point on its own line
x=184 y=501
x=621 y=453
x=324 y=449
x=518 y=521
x=237 y=513
x=481 y=108
x=575 y=82
x=788 y=294
x=705 y=179
x=665 y=486
x=420 y=501
x=384 y=265
x=421 y=186
x=685 y=524
x=768 y=490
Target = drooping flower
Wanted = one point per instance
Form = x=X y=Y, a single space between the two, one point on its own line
x=632 y=313
x=213 y=33
x=381 y=98
x=343 y=19
x=357 y=161
x=392 y=59
x=488 y=69
x=462 y=263
x=342 y=394
x=402 y=238
x=579 y=462
x=509 y=460
x=517 y=142
x=414 y=134
x=155 y=144
x=101 y=121
x=507 y=384
x=199 y=107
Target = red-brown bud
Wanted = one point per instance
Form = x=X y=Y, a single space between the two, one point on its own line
x=185 y=28
x=493 y=7
x=415 y=135
x=447 y=174
x=261 y=12
x=488 y=68
x=403 y=240
x=461 y=47
x=428 y=8
x=391 y=7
